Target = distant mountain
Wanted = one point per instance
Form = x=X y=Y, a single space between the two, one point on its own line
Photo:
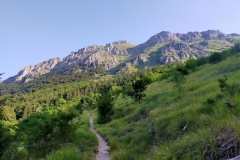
x=164 y=47
x=90 y=56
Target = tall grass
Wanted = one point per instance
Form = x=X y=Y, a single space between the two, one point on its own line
x=176 y=125
x=65 y=153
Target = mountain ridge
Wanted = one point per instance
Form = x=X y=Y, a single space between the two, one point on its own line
x=170 y=47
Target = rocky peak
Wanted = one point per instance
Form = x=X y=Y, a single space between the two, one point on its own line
x=190 y=36
x=121 y=42
x=168 y=37
x=171 y=47
x=34 y=70
x=87 y=49
x=162 y=37
x=117 y=47
x=205 y=35
x=94 y=56
x=213 y=34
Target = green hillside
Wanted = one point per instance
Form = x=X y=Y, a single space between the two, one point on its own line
x=194 y=123
x=191 y=111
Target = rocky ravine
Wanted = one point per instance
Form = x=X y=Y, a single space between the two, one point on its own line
x=169 y=47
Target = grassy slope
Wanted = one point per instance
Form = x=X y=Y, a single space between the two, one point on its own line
x=155 y=128
x=125 y=46
x=235 y=39
x=215 y=46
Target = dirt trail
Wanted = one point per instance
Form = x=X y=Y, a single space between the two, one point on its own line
x=103 y=148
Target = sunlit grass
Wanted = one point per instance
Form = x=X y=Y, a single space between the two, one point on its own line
x=176 y=125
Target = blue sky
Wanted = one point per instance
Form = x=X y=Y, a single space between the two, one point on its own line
x=34 y=31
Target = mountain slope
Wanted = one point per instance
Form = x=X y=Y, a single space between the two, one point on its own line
x=164 y=47
x=200 y=121
x=195 y=123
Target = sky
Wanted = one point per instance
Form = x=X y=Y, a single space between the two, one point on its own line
x=35 y=31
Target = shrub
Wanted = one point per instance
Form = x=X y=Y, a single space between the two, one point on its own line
x=216 y=57
x=105 y=105
x=202 y=60
x=191 y=64
x=229 y=90
x=139 y=87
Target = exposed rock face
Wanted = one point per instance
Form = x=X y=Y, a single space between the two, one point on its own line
x=161 y=37
x=176 y=46
x=139 y=59
x=93 y=56
x=90 y=56
x=87 y=57
x=164 y=47
x=34 y=70
x=176 y=51
x=190 y=36
x=114 y=49
x=205 y=35
x=166 y=37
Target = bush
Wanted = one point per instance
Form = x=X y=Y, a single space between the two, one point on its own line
x=191 y=64
x=202 y=61
x=182 y=69
x=229 y=90
x=138 y=89
x=41 y=133
x=105 y=105
x=216 y=57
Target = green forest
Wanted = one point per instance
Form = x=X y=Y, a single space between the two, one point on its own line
x=186 y=110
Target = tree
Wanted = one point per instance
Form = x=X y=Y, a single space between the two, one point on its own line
x=43 y=132
x=2 y=117
x=191 y=64
x=105 y=105
x=2 y=102
x=202 y=60
x=80 y=106
x=216 y=57
x=138 y=89
x=151 y=77
x=4 y=132
x=182 y=69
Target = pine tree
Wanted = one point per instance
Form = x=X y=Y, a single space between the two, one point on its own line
x=138 y=89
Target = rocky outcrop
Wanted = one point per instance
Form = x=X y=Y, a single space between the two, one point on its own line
x=93 y=56
x=139 y=59
x=205 y=35
x=164 y=47
x=34 y=70
x=114 y=48
x=90 y=56
x=167 y=37
x=177 y=51
x=159 y=38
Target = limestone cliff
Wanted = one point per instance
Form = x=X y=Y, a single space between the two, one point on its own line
x=164 y=47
